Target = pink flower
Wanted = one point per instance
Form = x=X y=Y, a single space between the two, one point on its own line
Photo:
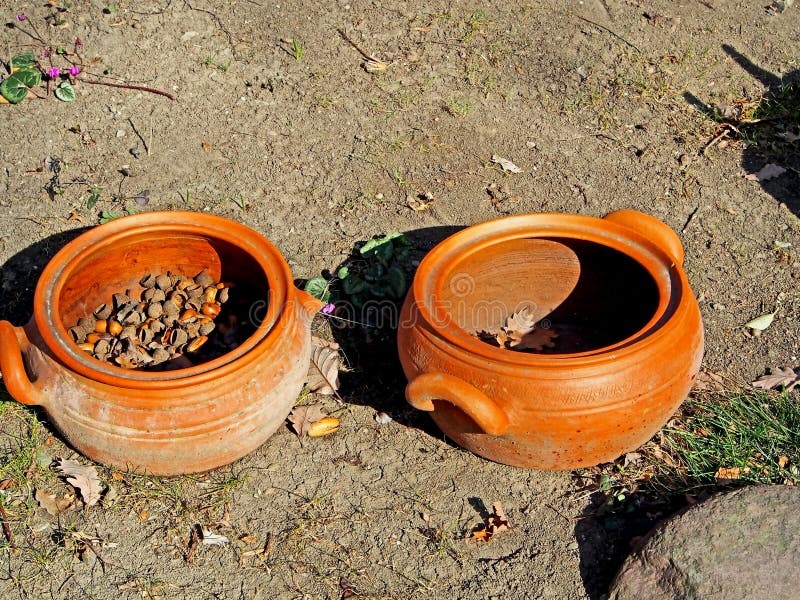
x=328 y=309
x=21 y=17
x=45 y=53
x=78 y=42
x=54 y=72
x=74 y=70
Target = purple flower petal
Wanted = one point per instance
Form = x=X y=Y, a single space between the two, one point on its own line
x=21 y=17
x=328 y=309
x=54 y=72
x=74 y=70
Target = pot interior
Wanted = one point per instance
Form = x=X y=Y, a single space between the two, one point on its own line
x=119 y=265
x=613 y=297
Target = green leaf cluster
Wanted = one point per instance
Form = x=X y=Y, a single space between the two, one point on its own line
x=24 y=76
x=376 y=271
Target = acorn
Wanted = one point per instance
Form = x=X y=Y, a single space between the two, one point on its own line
x=86 y=323
x=101 y=348
x=102 y=312
x=155 y=310
x=78 y=334
x=120 y=300
x=196 y=343
x=160 y=355
x=101 y=326
x=206 y=328
x=210 y=309
x=128 y=332
x=114 y=328
x=222 y=296
x=324 y=426
x=188 y=316
x=177 y=337
x=149 y=281
x=178 y=299
x=86 y=347
x=203 y=279
x=163 y=282
x=210 y=294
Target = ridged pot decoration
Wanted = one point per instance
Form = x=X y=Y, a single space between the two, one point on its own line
x=629 y=345
x=162 y=422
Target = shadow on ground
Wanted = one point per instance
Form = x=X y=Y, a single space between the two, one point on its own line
x=20 y=273
x=377 y=379
x=770 y=131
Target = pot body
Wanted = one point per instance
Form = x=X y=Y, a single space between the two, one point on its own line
x=553 y=411
x=172 y=422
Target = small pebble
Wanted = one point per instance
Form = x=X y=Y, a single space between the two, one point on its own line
x=382 y=418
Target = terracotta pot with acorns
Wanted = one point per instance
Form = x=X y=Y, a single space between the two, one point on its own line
x=620 y=337
x=191 y=418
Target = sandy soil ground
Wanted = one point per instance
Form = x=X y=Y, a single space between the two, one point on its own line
x=597 y=103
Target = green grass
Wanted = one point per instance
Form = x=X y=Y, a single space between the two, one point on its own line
x=297 y=49
x=756 y=432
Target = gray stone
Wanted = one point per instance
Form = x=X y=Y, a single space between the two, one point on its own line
x=741 y=544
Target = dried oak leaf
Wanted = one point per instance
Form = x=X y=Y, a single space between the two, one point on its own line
x=768 y=171
x=323 y=374
x=727 y=474
x=51 y=503
x=537 y=339
x=787 y=378
x=302 y=417
x=505 y=164
x=495 y=523
x=83 y=478
x=520 y=322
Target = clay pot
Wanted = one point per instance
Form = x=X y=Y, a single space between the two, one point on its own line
x=629 y=347
x=171 y=422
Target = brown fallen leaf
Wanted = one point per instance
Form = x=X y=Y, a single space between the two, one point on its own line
x=51 y=503
x=537 y=339
x=520 y=322
x=777 y=378
x=323 y=375
x=768 y=171
x=495 y=523
x=783 y=461
x=318 y=341
x=83 y=478
x=302 y=417
x=727 y=474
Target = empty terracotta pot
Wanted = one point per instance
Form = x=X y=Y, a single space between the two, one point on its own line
x=629 y=345
x=170 y=422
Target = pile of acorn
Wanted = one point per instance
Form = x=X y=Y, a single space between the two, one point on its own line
x=173 y=316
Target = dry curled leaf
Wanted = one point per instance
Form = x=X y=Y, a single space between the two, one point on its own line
x=777 y=378
x=727 y=474
x=323 y=375
x=495 y=523
x=51 y=503
x=83 y=478
x=768 y=171
x=302 y=417
x=214 y=539
x=506 y=164
x=520 y=333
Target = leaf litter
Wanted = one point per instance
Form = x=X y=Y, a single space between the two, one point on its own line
x=495 y=523
x=83 y=478
x=521 y=332
x=53 y=504
x=786 y=378
x=767 y=172
x=323 y=375
x=505 y=164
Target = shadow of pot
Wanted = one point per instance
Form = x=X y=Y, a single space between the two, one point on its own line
x=169 y=422
x=629 y=347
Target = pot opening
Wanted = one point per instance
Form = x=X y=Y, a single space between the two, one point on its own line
x=576 y=296
x=122 y=267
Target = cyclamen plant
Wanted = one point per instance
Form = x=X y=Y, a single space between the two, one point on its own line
x=28 y=70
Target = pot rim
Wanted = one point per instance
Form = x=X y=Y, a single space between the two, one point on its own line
x=441 y=262
x=277 y=319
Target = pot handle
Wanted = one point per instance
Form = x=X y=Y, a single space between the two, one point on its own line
x=421 y=392
x=310 y=304
x=650 y=227
x=12 y=343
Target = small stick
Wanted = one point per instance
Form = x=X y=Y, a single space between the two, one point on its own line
x=100 y=559
x=616 y=35
x=127 y=86
x=715 y=140
x=354 y=45
x=690 y=219
x=139 y=135
x=6 y=528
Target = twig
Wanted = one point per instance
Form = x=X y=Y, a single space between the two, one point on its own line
x=715 y=140
x=559 y=513
x=139 y=135
x=100 y=558
x=194 y=539
x=690 y=219
x=126 y=86
x=616 y=35
x=6 y=528
x=354 y=45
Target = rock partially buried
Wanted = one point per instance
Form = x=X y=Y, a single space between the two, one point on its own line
x=742 y=544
